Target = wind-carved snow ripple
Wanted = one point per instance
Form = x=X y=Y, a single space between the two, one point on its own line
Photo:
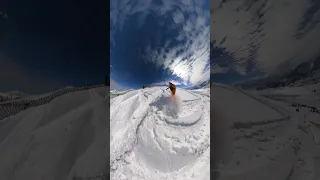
x=152 y=144
x=177 y=112
x=172 y=135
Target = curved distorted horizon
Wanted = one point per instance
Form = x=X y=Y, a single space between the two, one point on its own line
x=154 y=42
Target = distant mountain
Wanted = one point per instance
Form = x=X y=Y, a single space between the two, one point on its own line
x=120 y=91
x=304 y=73
x=11 y=95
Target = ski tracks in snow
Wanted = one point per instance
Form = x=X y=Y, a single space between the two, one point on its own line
x=170 y=135
x=268 y=146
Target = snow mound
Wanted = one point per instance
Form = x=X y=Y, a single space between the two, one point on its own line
x=64 y=139
x=157 y=136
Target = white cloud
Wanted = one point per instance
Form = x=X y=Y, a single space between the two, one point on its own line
x=178 y=17
x=190 y=64
x=273 y=42
x=161 y=83
x=215 y=69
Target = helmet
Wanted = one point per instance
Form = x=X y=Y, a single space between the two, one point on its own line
x=170 y=83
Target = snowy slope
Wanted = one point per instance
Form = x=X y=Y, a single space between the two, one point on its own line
x=255 y=134
x=156 y=137
x=13 y=107
x=263 y=138
x=63 y=139
x=115 y=93
x=8 y=96
x=39 y=96
x=269 y=134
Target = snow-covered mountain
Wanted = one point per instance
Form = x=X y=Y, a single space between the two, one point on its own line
x=11 y=95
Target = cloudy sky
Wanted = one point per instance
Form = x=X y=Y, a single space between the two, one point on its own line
x=153 y=42
x=263 y=37
x=47 y=45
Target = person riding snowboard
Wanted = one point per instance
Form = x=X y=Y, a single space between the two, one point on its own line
x=172 y=88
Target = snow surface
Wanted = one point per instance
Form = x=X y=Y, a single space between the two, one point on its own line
x=260 y=135
x=156 y=136
x=63 y=139
x=115 y=93
x=19 y=96
x=269 y=134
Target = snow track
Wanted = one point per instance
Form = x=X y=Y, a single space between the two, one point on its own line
x=160 y=137
x=264 y=138
x=154 y=136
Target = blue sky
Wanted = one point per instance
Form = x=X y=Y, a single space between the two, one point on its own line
x=52 y=45
x=154 y=42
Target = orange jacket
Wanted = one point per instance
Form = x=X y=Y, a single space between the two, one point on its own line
x=171 y=86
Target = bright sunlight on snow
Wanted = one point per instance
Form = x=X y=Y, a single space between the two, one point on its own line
x=155 y=136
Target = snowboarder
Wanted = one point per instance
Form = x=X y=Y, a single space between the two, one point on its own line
x=172 y=88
